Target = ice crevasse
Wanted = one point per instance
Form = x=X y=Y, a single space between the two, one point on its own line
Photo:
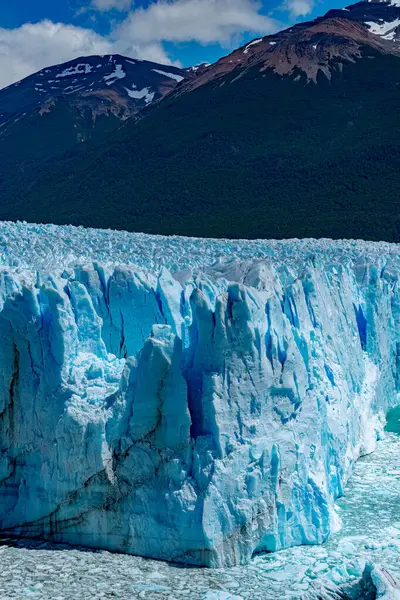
x=197 y=415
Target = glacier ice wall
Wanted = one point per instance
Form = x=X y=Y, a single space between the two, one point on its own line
x=195 y=415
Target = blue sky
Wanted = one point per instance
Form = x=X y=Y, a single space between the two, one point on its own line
x=36 y=33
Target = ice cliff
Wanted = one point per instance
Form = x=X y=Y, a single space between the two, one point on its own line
x=190 y=400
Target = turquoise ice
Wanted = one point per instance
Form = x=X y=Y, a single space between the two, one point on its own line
x=197 y=401
x=370 y=533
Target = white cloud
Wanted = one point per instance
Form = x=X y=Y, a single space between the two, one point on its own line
x=34 y=46
x=153 y=51
x=203 y=21
x=300 y=8
x=37 y=45
x=106 y=5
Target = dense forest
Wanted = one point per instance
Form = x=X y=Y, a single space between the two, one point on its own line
x=259 y=156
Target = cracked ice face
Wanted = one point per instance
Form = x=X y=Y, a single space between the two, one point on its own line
x=198 y=416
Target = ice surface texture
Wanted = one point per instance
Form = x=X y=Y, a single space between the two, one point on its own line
x=194 y=415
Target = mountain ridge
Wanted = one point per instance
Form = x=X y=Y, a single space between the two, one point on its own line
x=307 y=46
x=86 y=75
x=246 y=152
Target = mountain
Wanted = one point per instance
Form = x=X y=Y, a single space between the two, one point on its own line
x=102 y=85
x=52 y=110
x=381 y=18
x=236 y=419
x=292 y=135
x=315 y=47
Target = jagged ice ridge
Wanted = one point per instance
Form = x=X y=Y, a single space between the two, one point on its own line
x=189 y=400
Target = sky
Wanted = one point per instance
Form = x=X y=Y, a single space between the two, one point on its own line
x=38 y=33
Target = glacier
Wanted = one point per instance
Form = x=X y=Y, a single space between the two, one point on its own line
x=376 y=583
x=196 y=401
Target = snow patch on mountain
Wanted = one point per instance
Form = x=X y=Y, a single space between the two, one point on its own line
x=174 y=76
x=144 y=94
x=253 y=43
x=195 y=68
x=389 y=2
x=80 y=69
x=384 y=29
x=118 y=73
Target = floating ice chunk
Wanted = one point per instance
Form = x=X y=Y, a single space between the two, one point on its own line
x=220 y=595
x=387 y=587
x=347 y=548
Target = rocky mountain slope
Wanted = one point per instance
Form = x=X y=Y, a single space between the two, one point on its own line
x=100 y=84
x=297 y=131
x=315 y=47
x=381 y=18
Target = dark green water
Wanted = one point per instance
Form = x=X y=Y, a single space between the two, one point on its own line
x=393 y=420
